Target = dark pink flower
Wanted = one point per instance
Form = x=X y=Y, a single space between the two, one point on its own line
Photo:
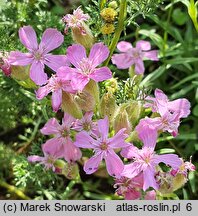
x=145 y=160
x=39 y=55
x=134 y=55
x=55 y=85
x=61 y=145
x=103 y=148
x=85 y=68
x=5 y=64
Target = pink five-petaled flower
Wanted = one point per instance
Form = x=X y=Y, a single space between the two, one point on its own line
x=61 y=145
x=86 y=124
x=48 y=160
x=55 y=85
x=103 y=148
x=39 y=55
x=161 y=104
x=145 y=160
x=134 y=55
x=85 y=68
x=76 y=20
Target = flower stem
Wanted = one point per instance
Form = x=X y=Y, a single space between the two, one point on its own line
x=102 y=4
x=120 y=27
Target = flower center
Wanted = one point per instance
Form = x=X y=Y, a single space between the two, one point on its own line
x=64 y=133
x=86 y=126
x=136 y=53
x=50 y=159
x=103 y=146
x=38 y=55
x=85 y=66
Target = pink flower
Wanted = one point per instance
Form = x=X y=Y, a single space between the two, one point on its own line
x=85 y=68
x=5 y=64
x=48 y=160
x=55 y=85
x=130 y=189
x=103 y=148
x=150 y=195
x=161 y=104
x=134 y=55
x=38 y=55
x=86 y=124
x=76 y=20
x=145 y=160
x=61 y=145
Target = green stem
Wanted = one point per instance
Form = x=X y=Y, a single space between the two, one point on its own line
x=69 y=188
x=120 y=27
x=13 y=189
x=102 y=4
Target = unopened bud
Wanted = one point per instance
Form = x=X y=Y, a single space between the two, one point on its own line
x=111 y=85
x=108 y=105
x=113 y=4
x=108 y=14
x=60 y=164
x=178 y=181
x=107 y=28
x=70 y=170
x=122 y=121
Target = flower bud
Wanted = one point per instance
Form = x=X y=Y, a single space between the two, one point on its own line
x=108 y=105
x=108 y=14
x=178 y=181
x=70 y=106
x=60 y=164
x=113 y=5
x=70 y=170
x=122 y=121
x=107 y=28
x=111 y=85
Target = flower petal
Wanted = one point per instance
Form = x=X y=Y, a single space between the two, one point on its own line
x=169 y=159
x=42 y=92
x=50 y=40
x=152 y=55
x=34 y=158
x=129 y=152
x=103 y=127
x=124 y=46
x=71 y=152
x=37 y=73
x=51 y=127
x=139 y=66
x=54 y=147
x=101 y=74
x=28 y=38
x=56 y=61
x=56 y=99
x=19 y=58
x=93 y=163
x=118 y=141
x=123 y=60
x=131 y=170
x=68 y=120
x=66 y=72
x=150 y=195
x=99 y=53
x=114 y=164
x=75 y=54
x=149 y=178
x=143 y=45
x=84 y=140
x=79 y=82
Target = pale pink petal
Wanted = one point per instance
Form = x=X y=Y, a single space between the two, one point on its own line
x=37 y=73
x=139 y=66
x=122 y=61
x=129 y=152
x=152 y=55
x=66 y=86
x=169 y=159
x=34 y=158
x=143 y=45
x=56 y=99
x=28 y=38
x=150 y=195
x=68 y=120
x=159 y=95
x=149 y=179
x=103 y=127
x=101 y=74
x=79 y=82
x=75 y=54
x=99 y=53
x=50 y=127
x=181 y=106
x=114 y=164
x=131 y=170
x=42 y=92
x=84 y=140
x=19 y=58
x=50 y=40
x=93 y=163
x=71 y=152
x=54 y=147
x=88 y=116
x=117 y=141
x=55 y=61
x=124 y=46
x=147 y=136
x=67 y=73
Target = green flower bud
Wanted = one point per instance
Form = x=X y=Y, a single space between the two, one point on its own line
x=113 y=5
x=60 y=164
x=70 y=170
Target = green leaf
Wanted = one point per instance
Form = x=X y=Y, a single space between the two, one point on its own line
x=195 y=110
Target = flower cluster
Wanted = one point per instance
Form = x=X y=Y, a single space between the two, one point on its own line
x=100 y=125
